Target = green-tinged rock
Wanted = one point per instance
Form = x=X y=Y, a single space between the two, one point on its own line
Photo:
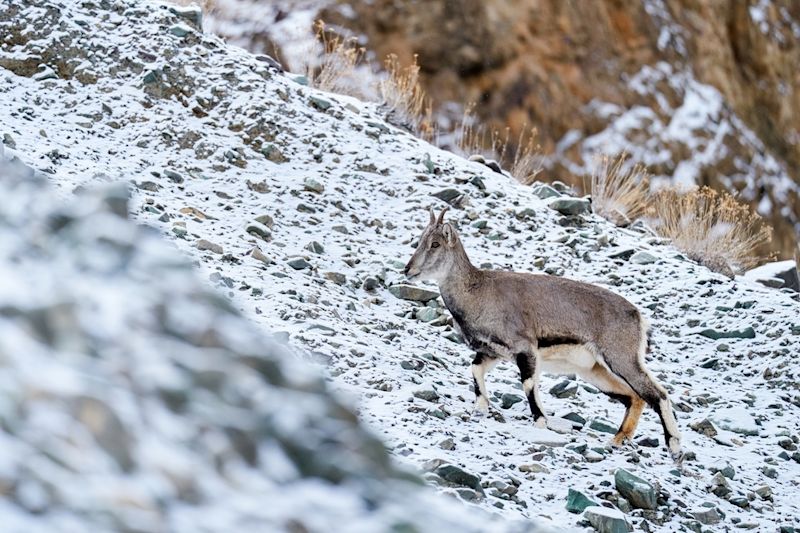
x=607 y=520
x=457 y=476
x=636 y=490
x=427 y=314
x=577 y=501
x=319 y=103
x=570 y=206
x=412 y=293
x=746 y=333
x=545 y=191
x=643 y=258
x=428 y=395
x=299 y=263
x=451 y=196
x=507 y=400
x=603 y=426
x=180 y=30
x=564 y=389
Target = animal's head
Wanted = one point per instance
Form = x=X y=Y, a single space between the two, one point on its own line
x=436 y=251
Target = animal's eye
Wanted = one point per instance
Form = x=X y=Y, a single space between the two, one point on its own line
x=434 y=244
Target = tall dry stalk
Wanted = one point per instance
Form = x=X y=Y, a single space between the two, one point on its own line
x=403 y=95
x=710 y=227
x=335 y=70
x=619 y=191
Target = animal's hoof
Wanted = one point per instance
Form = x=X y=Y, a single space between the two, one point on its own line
x=620 y=439
x=540 y=423
x=675 y=450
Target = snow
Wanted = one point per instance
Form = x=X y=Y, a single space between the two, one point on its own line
x=378 y=187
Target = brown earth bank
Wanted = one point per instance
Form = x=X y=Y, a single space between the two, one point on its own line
x=702 y=91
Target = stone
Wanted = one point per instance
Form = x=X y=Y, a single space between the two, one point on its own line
x=544 y=191
x=447 y=444
x=607 y=520
x=412 y=293
x=451 y=196
x=257 y=254
x=428 y=395
x=174 y=177
x=370 y=283
x=640 y=493
x=427 y=314
x=507 y=400
x=564 y=389
x=604 y=426
x=707 y=516
x=9 y=141
x=534 y=468
x=310 y=184
x=643 y=258
x=320 y=103
x=274 y=154
x=315 y=247
x=746 y=333
x=736 y=419
x=180 y=30
x=719 y=485
x=458 y=476
x=265 y=220
x=336 y=277
x=259 y=230
x=577 y=502
x=704 y=427
x=576 y=419
x=570 y=206
x=203 y=244
x=298 y=263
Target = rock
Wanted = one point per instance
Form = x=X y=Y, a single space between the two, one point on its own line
x=107 y=429
x=507 y=400
x=180 y=30
x=9 y=141
x=577 y=501
x=447 y=444
x=544 y=191
x=576 y=419
x=274 y=154
x=370 y=283
x=266 y=220
x=564 y=389
x=191 y=14
x=259 y=230
x=257 y=254
x=746 y=333
x=599 y=424
x=315 y=247
x=457 y=476
x=336 y=277
x=643 y=258
x=453 y=197
x=319 y=103
x=298 y=263
x=707 y=516
x=636 y=490
x=719 y=485
x=427 y=314
x=534 y=468
x=203 y=244
x=310 y=184
x=736 y=419
x=414 y=364
x=428 y=395
x=606 y=520
x=704 y=427
x=412 y=293
x=648 y=442
x=570 y=206
x=174 y=177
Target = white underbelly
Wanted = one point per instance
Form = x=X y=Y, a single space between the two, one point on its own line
x=567 y=359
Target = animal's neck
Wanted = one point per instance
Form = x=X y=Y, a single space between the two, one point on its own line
x=461 y=275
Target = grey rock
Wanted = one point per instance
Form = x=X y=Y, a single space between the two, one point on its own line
x=315 y=247
x=544 y=191
x=453 y=197
x=310 y=184
x=643 y=258
x=607 y=520
x=259 y=230
x=428 y=395
x=427 y=314
x=746 y=333
x=602 y=425
x=107 y=429
x=412 y=293
x=564 y=389
x=320 y=103
x=265 y=220
x=570 y=206
x=174 y=177
x=577 y=502
x=336 y=277
x=203 y=244
x=507 y=400
x=637 y=491
x=457 y=476
x=298 y=263
x=370 y=283
x=704 y=427
x=180 y=30
x=707 y=516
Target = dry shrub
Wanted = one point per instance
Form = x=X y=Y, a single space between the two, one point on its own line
x=710 y=227
x=401 y=92
x=523 y=161
x=619 y=191
x=335 y=70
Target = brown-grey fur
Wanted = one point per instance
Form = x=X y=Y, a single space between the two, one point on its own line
x=582 y=328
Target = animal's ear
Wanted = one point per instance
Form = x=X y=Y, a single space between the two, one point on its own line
x=449 y=233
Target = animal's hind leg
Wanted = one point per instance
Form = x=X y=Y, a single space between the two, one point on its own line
x=616 y=388
x=480 y=366
x=646 y=386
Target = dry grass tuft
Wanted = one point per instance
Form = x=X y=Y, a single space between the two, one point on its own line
x=523 y=161
x=619 y=191
x=401 y=92
x=335 y=70
x=710 y=227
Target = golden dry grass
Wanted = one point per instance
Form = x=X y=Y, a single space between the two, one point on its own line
x=335 y=69
x=710 y=227
x=400 y=91
x=523 y=161
x=619 y=191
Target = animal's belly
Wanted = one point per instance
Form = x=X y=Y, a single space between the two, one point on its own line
x=566 y=359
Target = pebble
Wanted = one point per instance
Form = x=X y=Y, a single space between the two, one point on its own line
x=203 y=244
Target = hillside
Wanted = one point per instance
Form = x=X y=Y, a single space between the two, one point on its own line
x=701 y=91
x=302 y=207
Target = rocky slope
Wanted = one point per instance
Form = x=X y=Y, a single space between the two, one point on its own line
x=301 y=207
x=703 y=92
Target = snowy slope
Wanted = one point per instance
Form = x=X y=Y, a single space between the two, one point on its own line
x=302 y=208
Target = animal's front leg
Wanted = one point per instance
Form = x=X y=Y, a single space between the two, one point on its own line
x=529 y=374
x=482 y=363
